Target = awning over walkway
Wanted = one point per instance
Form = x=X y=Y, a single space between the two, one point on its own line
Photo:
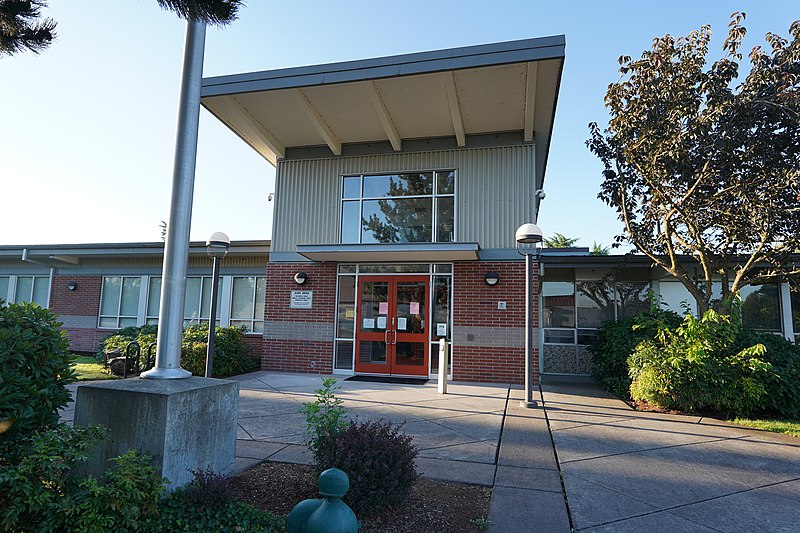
x=390 y=253
x=501 y=87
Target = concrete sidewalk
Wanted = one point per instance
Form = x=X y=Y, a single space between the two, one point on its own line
x=457 y=434
x=625 y=470
x=583 y=460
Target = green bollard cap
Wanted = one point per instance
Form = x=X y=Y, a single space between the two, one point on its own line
x=333 y=483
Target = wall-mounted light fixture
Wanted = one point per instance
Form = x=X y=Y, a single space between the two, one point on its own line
x=300 y=278
x=491 y=278
x=72 y=286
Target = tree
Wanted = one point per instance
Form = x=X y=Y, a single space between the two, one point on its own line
x=21 y=29
x=702 y=172
x=560 y=241
x=599 y=249
x=217 y=12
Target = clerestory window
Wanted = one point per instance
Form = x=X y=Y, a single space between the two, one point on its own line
x=402 y=207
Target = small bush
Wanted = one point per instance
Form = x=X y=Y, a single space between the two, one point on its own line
x=697 y=366
x=325 y=416
x=207 y=489
x=378 y=459
x=178 y=515
x=35 y=478
x=782 y=398
x=34 y=370
x=127 y=497
x=119 y=340
x=232 y=355
x=616 y=341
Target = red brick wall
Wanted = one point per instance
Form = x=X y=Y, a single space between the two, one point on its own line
x=82 y=302
x=290 y=352
x=475 y=307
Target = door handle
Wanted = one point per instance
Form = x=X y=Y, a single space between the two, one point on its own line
x=386 y=337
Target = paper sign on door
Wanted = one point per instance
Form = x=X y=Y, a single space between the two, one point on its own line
x=413 y=308
x=381 y=322
x=369 y=323
x=383 y=308
x=401 y=323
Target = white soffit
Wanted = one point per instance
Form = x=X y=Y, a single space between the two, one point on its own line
x=448 y=93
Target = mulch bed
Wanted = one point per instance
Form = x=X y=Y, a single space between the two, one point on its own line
x=433 y=506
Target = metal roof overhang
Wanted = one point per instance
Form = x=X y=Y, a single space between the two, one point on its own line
x=391 y=253
x=501 y=87
x=71 y=254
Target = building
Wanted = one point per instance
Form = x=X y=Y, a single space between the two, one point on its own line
x=400 y=183
x=580 y=291
x=97 y=289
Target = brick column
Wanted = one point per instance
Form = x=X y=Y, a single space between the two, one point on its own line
x=299 y=340
x=488 y=342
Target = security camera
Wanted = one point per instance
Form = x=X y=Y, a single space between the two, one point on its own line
x=270 y=196
x=540 y=194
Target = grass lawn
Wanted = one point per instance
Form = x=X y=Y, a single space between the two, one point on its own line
x=790 y=427
x=87 y=368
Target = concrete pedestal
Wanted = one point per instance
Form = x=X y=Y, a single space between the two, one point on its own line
x=184 y=424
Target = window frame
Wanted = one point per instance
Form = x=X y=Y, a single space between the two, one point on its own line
x=119 y=316
x=224 y=302
x=578 y=328
x=12 y=288
x=434 y=196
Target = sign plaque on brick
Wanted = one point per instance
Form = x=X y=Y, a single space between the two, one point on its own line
x=301 y=300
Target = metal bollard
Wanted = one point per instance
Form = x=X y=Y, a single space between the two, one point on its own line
x=442 y=366
x=328 y=514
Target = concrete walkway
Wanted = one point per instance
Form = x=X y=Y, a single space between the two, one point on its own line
x=583 y=461
x=625 y=470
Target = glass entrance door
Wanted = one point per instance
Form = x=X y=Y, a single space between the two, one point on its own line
x=392 y=335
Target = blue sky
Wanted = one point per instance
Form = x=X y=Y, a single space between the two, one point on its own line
x=87 y=128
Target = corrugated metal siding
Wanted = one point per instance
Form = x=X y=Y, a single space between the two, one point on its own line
x=494 y=193
x=155 y=262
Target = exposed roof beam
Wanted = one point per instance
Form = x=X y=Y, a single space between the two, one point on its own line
x=455 y=108
x=530 y=99
x=328 y=136
x=260 y=131
x=383 y=115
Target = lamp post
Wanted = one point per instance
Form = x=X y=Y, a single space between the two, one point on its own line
x=528 y=234
x=217 y=246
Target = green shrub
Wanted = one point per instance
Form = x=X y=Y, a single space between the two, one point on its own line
x=697 y=365
x=127 y=497
x=207 y=489
x=378 y=459
x=177 y=515
x=206 y=504
x=325 y=416
x=34 y=370
x=782 y=398
x=616 y=341
x=232 y=355
x=36 y=477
